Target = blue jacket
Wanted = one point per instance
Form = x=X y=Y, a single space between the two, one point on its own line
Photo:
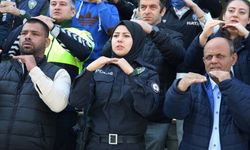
x=98 y=19
x=193 y=106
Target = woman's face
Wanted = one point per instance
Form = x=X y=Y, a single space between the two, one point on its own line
x=237 y=12
x=121 y=41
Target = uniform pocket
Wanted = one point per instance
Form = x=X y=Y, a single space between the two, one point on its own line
x=103 y=86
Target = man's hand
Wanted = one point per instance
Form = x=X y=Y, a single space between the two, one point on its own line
x=7 y=3
x=219 y=76
x=28 y=60
x=145 y=26
x=238 y=29
x=190 y=4
x=9 y=7
x=208 y=30
x=123 y=64
x=47 y=20
x=189 y=79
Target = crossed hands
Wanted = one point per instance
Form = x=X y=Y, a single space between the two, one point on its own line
x=101 y=61
x=234 y=28
x=192 y=78
x=28 y=60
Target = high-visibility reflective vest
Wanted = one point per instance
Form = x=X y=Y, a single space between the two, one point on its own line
x=56 y=53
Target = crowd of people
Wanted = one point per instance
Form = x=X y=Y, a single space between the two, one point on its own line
x=115 y=74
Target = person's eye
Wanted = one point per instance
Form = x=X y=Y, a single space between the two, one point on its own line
x=230 y=10
x=23 y=33
x=208 y=57
x=127 y=36
x=220 y=56
x=63 y=4
x=53 y=4
x=143 y=7
x=242 y=12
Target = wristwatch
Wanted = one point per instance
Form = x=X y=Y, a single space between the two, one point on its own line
x=154 y=31
x=55 y=30
x=23 y=14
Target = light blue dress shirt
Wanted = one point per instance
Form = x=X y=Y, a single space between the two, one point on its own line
x=214 y=143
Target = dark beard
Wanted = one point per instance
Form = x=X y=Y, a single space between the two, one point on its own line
x=24 y=52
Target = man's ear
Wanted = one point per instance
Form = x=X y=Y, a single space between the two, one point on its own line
x=73 y=12
x=163 y=11
x=234 y=58
x=47 y=42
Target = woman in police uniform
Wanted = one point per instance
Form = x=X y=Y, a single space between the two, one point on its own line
x=122 y=91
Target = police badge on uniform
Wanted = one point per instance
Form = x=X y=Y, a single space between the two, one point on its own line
x=155 y=87
x=32 y=4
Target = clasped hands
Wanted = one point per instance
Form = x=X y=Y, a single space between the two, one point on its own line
x=101 y=61
x=192 y=78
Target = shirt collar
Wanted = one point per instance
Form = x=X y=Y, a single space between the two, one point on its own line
x=213 y=84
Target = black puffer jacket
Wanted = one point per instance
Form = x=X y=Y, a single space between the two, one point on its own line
x=26 y=123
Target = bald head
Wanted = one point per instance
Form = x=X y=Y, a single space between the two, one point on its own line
x=220 y=42
x=219 y=54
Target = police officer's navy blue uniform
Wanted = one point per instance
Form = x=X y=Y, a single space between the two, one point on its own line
x=120 y=103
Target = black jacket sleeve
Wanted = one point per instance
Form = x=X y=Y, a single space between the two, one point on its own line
x=79 y=47
x=170 y=44
x=125 y=8
x=193 y=61
x=213 y=6
x=11 y=44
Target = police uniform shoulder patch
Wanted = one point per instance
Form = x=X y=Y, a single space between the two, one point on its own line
x=32 y=4
x=155 y=87
x=138 y=70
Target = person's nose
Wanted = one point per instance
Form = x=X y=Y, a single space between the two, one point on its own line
x=119 y=39
x=147 y=10
x=27 y=36
x=235 y=14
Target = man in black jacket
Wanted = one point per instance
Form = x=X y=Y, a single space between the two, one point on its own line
x=32 y=90
x=164 y=49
